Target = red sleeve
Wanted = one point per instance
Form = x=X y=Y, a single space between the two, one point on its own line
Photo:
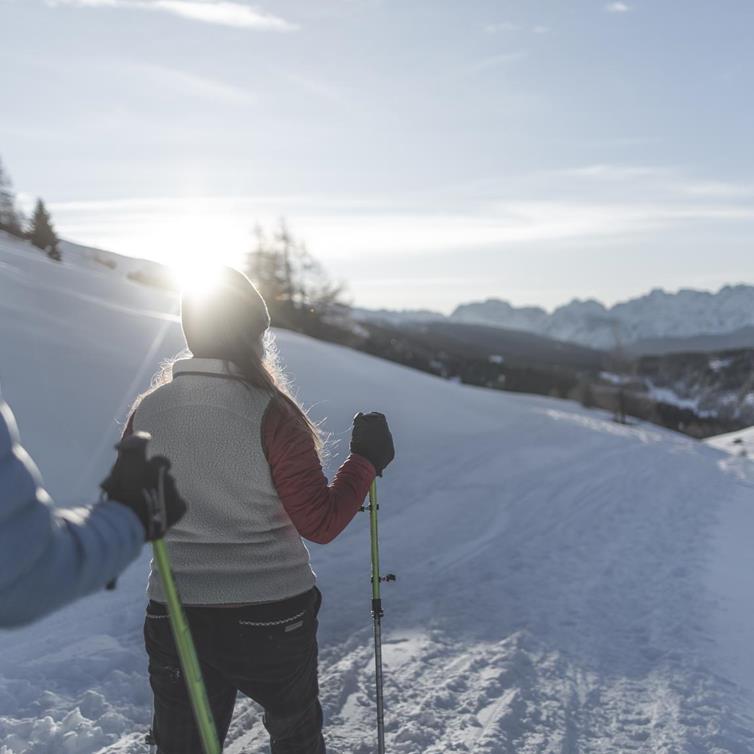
x=318 y=510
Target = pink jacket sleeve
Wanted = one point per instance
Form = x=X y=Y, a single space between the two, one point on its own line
x=318 y=510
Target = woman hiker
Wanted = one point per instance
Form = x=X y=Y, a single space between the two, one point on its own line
x=247 y=457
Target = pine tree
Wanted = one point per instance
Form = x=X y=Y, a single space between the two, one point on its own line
x=41 y=232
x=10 y=219
x=294 y=285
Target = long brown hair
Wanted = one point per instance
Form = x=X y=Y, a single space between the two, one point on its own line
x=267 y=373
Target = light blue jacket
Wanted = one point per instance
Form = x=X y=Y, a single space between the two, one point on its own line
x=50 y=556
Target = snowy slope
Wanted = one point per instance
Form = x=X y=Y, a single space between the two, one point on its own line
x=565 y=584
x=740 y=443
x=98 y=260
x=93 y=258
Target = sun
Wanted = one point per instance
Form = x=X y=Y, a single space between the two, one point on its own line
x=197 y=277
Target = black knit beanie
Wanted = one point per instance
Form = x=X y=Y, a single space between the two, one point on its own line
x=215 y=321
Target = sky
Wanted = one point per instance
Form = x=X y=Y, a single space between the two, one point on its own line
x=428 y=152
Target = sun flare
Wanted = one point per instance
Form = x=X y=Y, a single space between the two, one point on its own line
x=197 y=277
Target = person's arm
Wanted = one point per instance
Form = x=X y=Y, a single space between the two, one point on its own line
x=319 y=511
x=49 y=556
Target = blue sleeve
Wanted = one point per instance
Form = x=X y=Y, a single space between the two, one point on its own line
x=49 y=556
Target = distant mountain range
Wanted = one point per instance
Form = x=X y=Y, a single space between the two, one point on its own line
x=654 y=323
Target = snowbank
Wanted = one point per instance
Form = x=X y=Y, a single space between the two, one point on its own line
x=740 y=443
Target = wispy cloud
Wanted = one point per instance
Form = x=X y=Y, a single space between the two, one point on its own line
x=494 y=61
x=665 y=184
x=504 y=26
x=219 y=12
x=225 y=13
x=194 y=85
x=314 y=86
x=341 y=227
x=717 y=189
x=612 y=172
x=617 y=7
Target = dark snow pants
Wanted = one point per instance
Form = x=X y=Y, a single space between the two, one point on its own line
x=268 y=652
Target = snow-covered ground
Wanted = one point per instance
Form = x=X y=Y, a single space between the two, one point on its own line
x=739 y=443
x=565 y=584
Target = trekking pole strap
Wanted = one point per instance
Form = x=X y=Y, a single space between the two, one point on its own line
x=187 y=652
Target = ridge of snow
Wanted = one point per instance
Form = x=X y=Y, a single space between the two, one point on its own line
x=89 y=258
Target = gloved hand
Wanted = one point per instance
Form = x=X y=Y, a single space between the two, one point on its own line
x=371 y=438
x=144 y=486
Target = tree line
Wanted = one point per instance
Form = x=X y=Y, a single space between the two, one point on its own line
x=38 y=229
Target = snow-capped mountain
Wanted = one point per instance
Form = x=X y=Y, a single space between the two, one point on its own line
x=656 y=315
x=395 y=316
x=502 y=314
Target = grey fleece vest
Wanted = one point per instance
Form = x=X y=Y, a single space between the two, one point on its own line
x=236 y=544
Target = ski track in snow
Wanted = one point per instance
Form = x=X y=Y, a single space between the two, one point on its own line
x=564 y=583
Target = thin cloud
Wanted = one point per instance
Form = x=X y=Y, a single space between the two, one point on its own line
x=617 y=7
x=504 y=26
x=218 y=12
x=194 y=85
x=342 y=227
x=610 y=172
x=665 y=184
x=720 y=189
x=225 y=13
x=313 y=86
x=494 y=62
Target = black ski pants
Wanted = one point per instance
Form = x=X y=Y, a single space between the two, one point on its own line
x=266 y=651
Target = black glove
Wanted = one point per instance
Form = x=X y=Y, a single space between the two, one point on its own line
x=144 y=486
x=371 y=438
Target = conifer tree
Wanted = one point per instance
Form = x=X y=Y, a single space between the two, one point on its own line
x=10 y=219
x=41 y=232
x=294 y=285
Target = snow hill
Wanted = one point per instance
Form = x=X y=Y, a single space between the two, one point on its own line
x=565 y=584
x=653 y=323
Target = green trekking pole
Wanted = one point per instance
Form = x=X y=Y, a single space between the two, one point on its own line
x=192 y=673
x=377 y=612
x=132 y=452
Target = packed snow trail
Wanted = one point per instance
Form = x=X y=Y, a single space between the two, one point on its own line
x=564 y=583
